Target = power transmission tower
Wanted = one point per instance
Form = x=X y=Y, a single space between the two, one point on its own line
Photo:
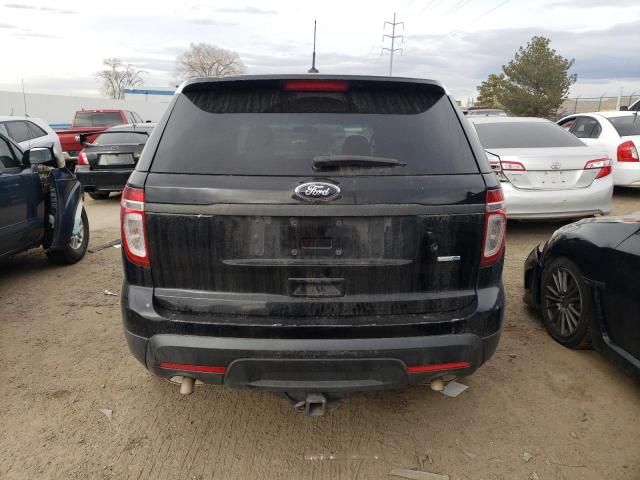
x=393 y=37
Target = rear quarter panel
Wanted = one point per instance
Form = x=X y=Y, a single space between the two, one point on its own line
x=588 y=243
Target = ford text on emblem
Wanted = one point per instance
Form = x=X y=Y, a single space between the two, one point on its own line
x=317 y=191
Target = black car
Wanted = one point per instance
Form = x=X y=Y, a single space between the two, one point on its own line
x=105 y=165
x=313 y=236
x=585 y=281
x=41 y=204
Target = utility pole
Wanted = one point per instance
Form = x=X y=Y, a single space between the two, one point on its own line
x=313 y=68
x=393 y=37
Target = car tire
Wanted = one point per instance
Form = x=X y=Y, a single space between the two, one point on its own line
x=77 y=246
x=567 y=307
x=99 y=195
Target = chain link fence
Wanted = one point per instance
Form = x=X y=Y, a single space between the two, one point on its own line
x=595 y=104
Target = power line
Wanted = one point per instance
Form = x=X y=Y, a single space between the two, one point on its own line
x=393 y=37
x=432 y=3
x=491 y=10
x=460 y=2
x=458 y=7
x=442 y=37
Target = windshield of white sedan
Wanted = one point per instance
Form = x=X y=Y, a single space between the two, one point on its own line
x=525 y=135
x=626 y=126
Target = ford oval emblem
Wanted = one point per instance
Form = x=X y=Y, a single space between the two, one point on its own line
x=317 y=191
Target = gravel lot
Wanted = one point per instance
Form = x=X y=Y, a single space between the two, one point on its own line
x=65 y=359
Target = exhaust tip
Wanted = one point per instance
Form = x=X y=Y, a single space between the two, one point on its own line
x=186 y=385
x=437 y=385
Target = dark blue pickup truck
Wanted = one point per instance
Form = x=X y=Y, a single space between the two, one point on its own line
x=41 y=204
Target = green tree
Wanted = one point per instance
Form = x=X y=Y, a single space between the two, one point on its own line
x=488 y=92
x=536 y=81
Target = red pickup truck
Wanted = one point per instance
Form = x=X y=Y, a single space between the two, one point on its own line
x=92 y=122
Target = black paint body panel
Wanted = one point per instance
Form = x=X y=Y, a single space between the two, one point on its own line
x=607 y=252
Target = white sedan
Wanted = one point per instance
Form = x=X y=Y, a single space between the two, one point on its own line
x=29 y=132
x=616 y=132
x=545 y=172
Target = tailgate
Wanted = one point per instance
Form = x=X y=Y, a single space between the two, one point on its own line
x=316 y=260
x=295 y=198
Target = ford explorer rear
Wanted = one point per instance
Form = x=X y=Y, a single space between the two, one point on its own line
x=312 y=236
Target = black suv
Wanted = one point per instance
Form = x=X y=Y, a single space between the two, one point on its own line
x=313 y=236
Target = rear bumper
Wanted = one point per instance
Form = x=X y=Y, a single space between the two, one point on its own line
x=626 y=174
x=548 y=204
x=102 y=180
x=311 y=364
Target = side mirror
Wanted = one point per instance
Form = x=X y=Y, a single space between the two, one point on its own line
x=624 y=108
x=82 y=138
x=39 y=156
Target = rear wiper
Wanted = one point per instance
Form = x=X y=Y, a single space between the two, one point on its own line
x=336 y=161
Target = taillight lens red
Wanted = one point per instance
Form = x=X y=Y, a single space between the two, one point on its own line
x=604 y=164
x=315 y=85
x=82 y=158
x=627 y=152
x=495 y=226
x=133 y=225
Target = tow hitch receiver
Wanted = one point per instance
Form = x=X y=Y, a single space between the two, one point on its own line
x=315 y=405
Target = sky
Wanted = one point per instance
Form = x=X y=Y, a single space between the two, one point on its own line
x=56 y=47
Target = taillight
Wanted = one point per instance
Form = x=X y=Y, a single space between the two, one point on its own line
x=495 y=225
x=315 y=85
x=495 y=165
x=132 y=221
x=512 y=166
x=82 y=158
x=627 y=152
x=604 y=164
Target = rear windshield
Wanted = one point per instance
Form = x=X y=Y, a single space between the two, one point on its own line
x=121 y=138
x=254 y=130
x=626 y=126
x=105 y=119
x=525 y=135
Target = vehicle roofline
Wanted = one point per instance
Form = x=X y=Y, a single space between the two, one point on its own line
x=133 y=126
x=375 y=78
x=101 y=110
x=507 y=119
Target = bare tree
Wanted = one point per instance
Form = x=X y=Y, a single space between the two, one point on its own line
x=206 y=60
x=117 y=76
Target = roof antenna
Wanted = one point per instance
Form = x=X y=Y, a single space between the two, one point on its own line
x=24 y=98
x=313 y=68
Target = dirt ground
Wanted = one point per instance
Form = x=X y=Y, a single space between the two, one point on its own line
x=65 y=358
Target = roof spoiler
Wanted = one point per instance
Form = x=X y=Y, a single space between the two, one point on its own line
x=194 y=83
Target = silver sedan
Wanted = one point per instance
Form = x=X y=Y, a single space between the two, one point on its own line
x=545 y=172
x=29 y=132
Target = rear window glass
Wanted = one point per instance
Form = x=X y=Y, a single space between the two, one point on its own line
x=121 y=138
x=525 y=135
x=626 y=126
x=105 y=119
x=266 y=131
